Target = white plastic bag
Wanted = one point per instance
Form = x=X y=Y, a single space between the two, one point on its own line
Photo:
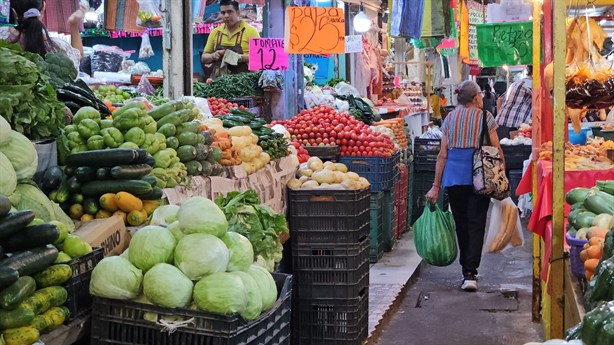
x=146 y=51
x=504 y=229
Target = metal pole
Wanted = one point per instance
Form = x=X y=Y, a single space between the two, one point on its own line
x=557 y=270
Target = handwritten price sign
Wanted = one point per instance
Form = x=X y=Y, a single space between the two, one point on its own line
x=353 y=44
x=315 y=30
x=267 y=54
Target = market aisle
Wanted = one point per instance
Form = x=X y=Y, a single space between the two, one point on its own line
x=436 y=312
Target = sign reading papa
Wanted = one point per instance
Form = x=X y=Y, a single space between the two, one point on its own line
x=505 y=44
x=267 y=54
x=315 y=30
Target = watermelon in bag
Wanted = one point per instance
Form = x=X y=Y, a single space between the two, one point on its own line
x=435 y=237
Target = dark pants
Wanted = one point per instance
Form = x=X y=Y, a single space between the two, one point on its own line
x=504 y=132
x=470 y=211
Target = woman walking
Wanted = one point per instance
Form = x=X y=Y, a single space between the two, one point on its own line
x=462 y=130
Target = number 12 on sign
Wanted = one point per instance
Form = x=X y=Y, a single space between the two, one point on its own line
x=267 y=54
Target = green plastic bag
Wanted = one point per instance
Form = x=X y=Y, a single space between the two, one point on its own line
x=435 y=237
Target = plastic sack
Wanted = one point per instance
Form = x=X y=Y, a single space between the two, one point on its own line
x=504 y=229
x=271 y=80
x=146 y=50
x=108 y=59
x=145 y=87
x=435 y=236
x=149 y=15
x=345 y=89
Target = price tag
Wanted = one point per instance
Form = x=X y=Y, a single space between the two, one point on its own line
x=353 y=44
x=315 y=30
x=267 y=54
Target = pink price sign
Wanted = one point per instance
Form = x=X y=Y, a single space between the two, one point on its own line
x=267 y=54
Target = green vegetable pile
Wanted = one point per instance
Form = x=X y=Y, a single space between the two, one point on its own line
x=259 y=223
x=60 y=69
x=230 y=86
x=27 y=99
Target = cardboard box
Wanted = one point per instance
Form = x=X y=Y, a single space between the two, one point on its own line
x=110 y=234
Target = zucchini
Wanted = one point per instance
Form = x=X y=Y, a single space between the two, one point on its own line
x=5 y=205
x=91 y=206
x=73 y=185
x=128 y=172
x=150 y=179
x=21 y=336
x=155 y=194
x=192 y=127
x=31 y=261
x=62 y=194
x=97 y=188
x=104 y=158
x=150 y=161
x=77 y=198
x=69 y=171
x=31 y=237
x=85 y=174
x=15 y=318
x=17 y=292
x=8 y=276
x=43 y=299
x=14 y=222
x=53 y=275
x=125 y=108
x=165 y=109
x=176 y=118
x=103 y=173
x=52 y=178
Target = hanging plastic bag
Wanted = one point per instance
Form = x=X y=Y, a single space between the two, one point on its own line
x=107 y=58
x=504 y=229
x=146 y=51
x=435 y=236
x=149 y=15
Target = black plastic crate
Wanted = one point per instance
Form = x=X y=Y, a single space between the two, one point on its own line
x=515 y=155
x=79 y=300
x=389 y=219
x=306 y=289
x=425 y=154
x=121 y=322
x=379 y=171
x=376 y=244
x=309 y=230
x=248 y=102
x=331 y=321
x=331 y=203
x=514 y=177
x=317 y=260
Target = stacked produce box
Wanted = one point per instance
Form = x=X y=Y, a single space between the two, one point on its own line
x=330 y=265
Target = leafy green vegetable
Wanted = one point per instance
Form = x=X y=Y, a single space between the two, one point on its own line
x=222 y=293
x=266 y=284
x=259 y=223
x=60 y=69
x=166 y=286
x=27 y=100
x=241 y=251
x=201 y=215
x=254 y=297
x=115 y=277
x=150 y=246
x=197 y=255
x=22 y=155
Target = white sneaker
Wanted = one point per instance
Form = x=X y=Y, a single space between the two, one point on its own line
x=470 y=285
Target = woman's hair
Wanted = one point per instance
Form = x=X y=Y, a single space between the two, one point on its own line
x=487 y=91
x=467 y=91
x=30 y=25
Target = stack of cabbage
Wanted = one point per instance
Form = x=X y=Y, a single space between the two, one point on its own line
x=188 y=256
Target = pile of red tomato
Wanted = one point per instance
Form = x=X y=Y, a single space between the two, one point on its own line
x=323 y=126
x=220 y=106
x=301 y=153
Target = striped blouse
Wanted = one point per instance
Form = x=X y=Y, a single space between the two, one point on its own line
x=463 y=127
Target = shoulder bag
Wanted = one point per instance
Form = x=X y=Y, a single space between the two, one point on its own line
x=489 y=177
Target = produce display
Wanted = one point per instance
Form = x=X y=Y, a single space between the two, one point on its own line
x=301 y=153
x=101 y=183
x=397 y=126
x=326 y=175
x=230 y=86
x=592 y=156
x=198 y=261
x=323 y=126
x=31 y=295
x=220 y=106
x=112 y=94
x=77 y=95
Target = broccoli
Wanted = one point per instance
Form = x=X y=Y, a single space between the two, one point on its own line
x=60 y=69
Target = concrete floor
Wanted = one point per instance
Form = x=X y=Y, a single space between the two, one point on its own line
x=434 y=311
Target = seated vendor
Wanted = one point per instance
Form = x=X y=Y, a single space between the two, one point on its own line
x=231 y=36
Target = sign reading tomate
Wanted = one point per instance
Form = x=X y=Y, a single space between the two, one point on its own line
x=267 y=54
x=315 y=30
x=505 y=43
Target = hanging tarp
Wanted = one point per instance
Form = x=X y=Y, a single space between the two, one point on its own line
x=56 y=14
x=121 y=15
x=395 y=17
x=411 y=18
x=436 y=18
x=505 y=44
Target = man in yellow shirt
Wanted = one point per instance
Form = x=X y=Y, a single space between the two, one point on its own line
x=233 y=36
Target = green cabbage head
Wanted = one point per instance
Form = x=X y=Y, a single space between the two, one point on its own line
x=266 y=283
x=197 y=255
x=241 y=251
x=151 y=245
x=222 y=293
x=254 y=297
x=115 y=277
x=166 y=286
x=201 y=215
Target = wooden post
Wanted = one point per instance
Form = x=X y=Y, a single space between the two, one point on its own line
x=177 y=48
x=558 y=172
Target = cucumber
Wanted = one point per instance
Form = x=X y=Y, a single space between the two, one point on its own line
x=176 y=118
x=165 y=109
x=105 y=158
x=127 y=172
x=43 y=299
x=186 y=153
x=17 y=292
x=150 y=179
x=192 y=127
x=52 y=177
x=14 y=222
x=103 y=173
x=187 y=138
x=21 y=336
x=73 y=185
x=51 y=319
x=97 y=188
x=15 y=318
x=202 y=151
x=155 y=194
x=31 y=261
x=125 y=108
x=85 y=174
x=91 y=206
x=194 y=168
x=62 y=194
x=31 y=237
x=69 y=171
x=53 y=275
x=168 y=130
x=150 y=161
x=8 y=276
x=172 y=142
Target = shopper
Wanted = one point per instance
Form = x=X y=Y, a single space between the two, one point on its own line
x=232 y=36
x=32 y=35
x=517 y=107
x=461 y=133
x=489 y=98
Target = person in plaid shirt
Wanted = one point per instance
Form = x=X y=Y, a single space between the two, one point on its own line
x=517 y=106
